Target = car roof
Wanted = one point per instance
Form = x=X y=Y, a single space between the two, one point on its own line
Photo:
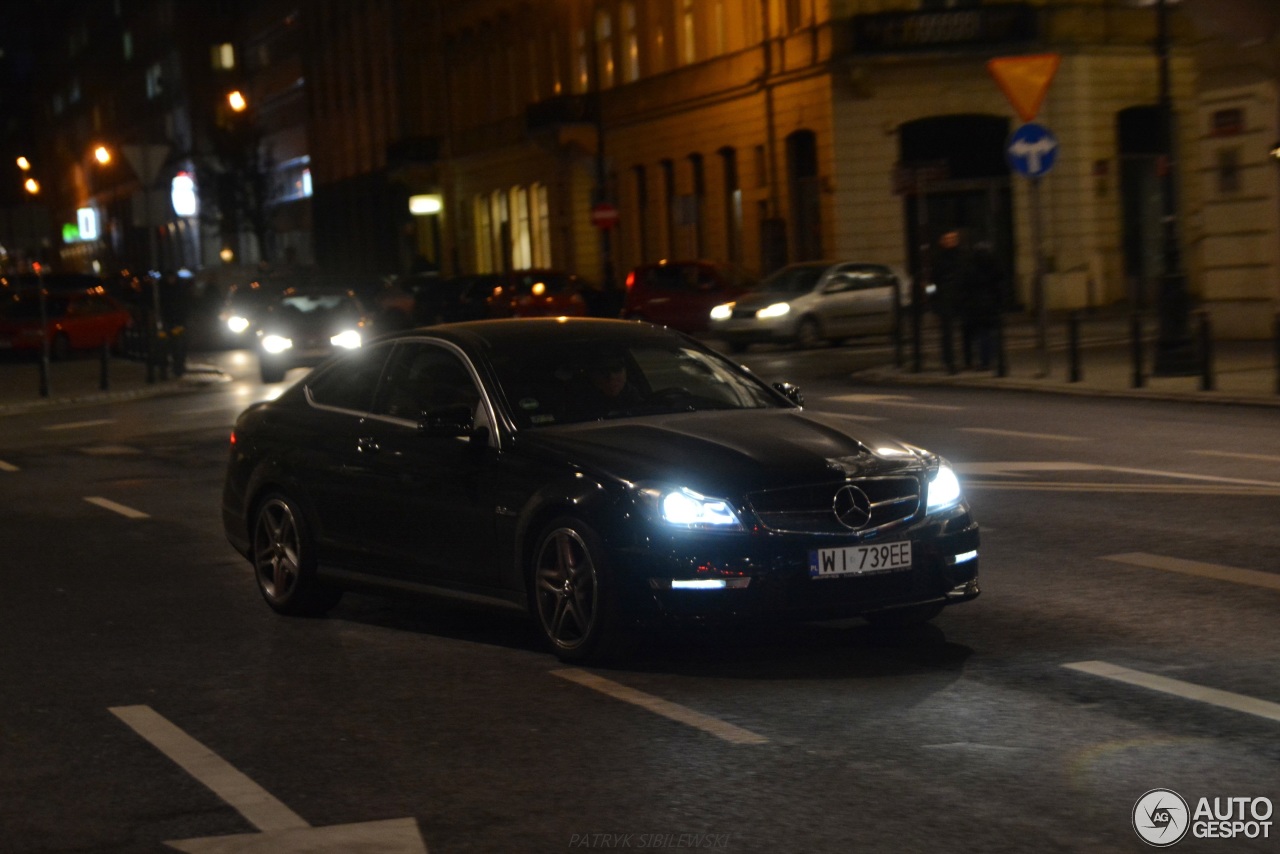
x=536 y=330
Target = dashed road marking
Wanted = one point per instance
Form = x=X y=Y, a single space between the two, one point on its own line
x=1217 y=572
x=111 y=451
x=107 y=504
x=1178 y=688
x=682 y=714
x=8 y=466
x=79 y=425
x=1018 y=434
x=893 y=400
x=1266 y=458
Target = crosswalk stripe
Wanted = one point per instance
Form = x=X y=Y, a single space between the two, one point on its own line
x=1217 y=572
x=1186 y=690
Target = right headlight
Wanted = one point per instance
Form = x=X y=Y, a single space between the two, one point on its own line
x=944 y=489
x=722 y=312
x=681 y=507
x=276 y=343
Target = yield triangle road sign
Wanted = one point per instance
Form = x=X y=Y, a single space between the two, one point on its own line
x=1025 y=80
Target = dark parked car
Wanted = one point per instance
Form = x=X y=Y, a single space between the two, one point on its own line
x=306 y=326
x=537 y=293
x=449 y=299
x=485 y=461
x=681 y=294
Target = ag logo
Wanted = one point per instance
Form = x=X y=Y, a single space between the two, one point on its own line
x=1161 y=817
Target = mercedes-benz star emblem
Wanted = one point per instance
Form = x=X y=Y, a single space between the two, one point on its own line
x=852 y=507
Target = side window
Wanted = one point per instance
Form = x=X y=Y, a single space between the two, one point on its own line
x=349 y=383
x=423 y=377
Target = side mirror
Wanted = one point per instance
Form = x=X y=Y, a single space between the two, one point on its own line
x=449 y=421
x=790 y=391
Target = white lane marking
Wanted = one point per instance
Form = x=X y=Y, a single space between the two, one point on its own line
x=282 y=830
x=892 y=400
x=256 y=804
x=8 y=466
x=1018 y=434
x=79 y=425
x=108 y=504
x=110 y=450
x=1261 y=457
x=863 y=417
x=1135 y=488
x=1178 y=688
x=1015 y=469
x=1018 y=469
x=1235 y=575
x=659 y=706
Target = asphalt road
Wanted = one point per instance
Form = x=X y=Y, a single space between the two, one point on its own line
x=1125 y=641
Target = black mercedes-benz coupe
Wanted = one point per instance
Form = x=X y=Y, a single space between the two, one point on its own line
x=600 y=474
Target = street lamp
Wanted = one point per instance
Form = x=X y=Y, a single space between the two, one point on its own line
x=24 y=164
x=102 y=154
x=32 y=186
x=237 y=102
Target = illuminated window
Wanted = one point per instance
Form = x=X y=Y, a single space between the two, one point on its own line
x=631 y=66
x=688 y=51
x=127 y=38
x=224 y=57
x=541 y=226
x=484 y=241
x=521 y=236
x=557 y=83
x=499 y=225
x=582 y=68
x=604 y=48
x=718 y=22
x=155 y=82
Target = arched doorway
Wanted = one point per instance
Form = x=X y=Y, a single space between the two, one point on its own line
x=953 y=175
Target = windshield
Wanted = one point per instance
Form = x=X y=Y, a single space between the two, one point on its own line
x=793 y=280
x=26 y=306
x=592 y=379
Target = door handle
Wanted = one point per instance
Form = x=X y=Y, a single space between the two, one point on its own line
x=367 y=445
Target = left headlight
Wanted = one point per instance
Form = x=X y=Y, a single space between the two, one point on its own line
x=722 y=312
x=349 y=339
x=944 y=489
x=778 y=309
x=684 y=508
x=276 y=343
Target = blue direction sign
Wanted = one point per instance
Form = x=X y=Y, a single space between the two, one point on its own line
x=1032 y=150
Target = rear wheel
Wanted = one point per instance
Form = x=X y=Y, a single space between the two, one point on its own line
x=573 y=594
x=284 y=560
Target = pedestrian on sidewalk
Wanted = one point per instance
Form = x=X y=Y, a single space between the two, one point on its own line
x=981 y=291
x=948 y=279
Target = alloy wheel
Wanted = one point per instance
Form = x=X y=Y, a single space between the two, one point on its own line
x=566 y=589
x=277 y=550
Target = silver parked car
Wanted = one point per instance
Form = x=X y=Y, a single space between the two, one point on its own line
x=813 y=302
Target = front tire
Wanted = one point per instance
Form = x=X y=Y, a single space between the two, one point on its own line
x=284 y=560
x=808 y=334
x=573 y=595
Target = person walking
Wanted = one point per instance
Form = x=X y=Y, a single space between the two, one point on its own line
x=948 y=279
x=981 y=291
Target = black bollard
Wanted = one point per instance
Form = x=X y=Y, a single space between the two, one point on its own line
x=1073 y=346
x=1277 y=342
x=1206 y=351
x=103 y=381
x=1002 y=366
x=1135 y=347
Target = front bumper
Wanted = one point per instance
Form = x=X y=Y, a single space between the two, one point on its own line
x=766 y=574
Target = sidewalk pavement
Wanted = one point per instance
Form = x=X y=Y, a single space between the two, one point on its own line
x=1242 y=372
x=79 y=380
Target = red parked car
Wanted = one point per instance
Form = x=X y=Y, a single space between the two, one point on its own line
x=681 y=294
x=75 y=320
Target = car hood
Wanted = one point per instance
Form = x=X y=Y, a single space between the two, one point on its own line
x=728 y=453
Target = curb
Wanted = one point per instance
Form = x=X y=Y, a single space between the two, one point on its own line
x=195 y=378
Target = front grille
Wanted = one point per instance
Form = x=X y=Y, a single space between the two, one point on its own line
x=744 y=313
x=810 y=509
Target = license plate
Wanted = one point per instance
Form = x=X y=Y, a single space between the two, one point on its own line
x=860 y=560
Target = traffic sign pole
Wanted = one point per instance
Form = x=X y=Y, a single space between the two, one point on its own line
x=1042 y=303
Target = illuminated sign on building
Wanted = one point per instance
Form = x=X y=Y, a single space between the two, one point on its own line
x=87 y=223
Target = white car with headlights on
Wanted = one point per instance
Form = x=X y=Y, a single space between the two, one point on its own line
x=811 y=303
x=306 y=326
